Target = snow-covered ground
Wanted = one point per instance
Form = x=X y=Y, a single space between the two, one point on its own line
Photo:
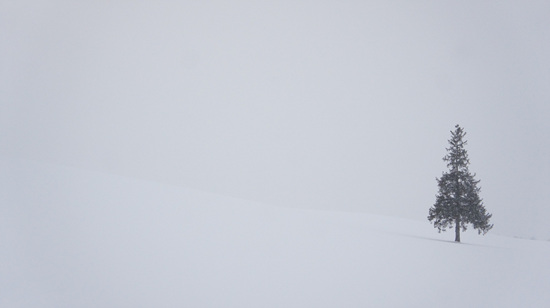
x=80 y=238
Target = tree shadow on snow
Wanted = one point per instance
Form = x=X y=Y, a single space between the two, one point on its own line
x=446 y=241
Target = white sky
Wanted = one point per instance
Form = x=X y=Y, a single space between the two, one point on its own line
x=342 y=105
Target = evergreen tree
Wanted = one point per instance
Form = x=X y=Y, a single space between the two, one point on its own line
x=457 y=202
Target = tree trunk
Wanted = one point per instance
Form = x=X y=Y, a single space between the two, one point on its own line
x=457 y=230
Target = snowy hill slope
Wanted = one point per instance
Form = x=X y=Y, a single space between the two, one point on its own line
x=75 y=238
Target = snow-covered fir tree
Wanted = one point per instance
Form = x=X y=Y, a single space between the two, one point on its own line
x=457 y=202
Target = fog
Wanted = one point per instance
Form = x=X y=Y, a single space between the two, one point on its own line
x=343 y=106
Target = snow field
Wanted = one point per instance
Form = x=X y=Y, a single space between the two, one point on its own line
x=77 y=238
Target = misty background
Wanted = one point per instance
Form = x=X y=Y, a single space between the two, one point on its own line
x=343 y=106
